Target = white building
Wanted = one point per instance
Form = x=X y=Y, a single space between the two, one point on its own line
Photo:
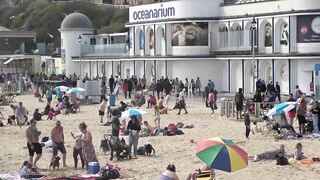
x=210 y=39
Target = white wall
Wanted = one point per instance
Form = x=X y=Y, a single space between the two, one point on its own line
x=304 y=73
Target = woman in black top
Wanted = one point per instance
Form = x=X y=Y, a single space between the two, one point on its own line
x=134 y=128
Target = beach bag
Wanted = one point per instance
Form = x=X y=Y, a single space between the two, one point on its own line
x=110 y=174
x=172 y=127
x=179 y=125
x=141 y=150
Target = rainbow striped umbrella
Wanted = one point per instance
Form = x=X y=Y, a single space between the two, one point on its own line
x=222 y=154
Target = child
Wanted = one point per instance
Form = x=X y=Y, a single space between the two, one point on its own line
x=52 y=113
x=157 y=116
x=247 y=122
x=298 y=154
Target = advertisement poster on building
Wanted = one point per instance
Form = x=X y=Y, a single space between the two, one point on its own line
x=151 y=39
x=141 y=40
x=308 y=29
x=190 y=34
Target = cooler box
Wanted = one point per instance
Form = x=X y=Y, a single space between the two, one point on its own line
x=112 y=100
x=93 y=167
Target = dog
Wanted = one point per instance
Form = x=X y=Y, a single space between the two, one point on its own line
x=149 y=149
x=55 y=163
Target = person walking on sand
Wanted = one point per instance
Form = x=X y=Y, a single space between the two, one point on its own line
x=57 y=138
x=157 y=116
x=21 y=114
x=32 y=135
x=88 y=151
x=211 y=100
x=247 y=122
x=239 y=102
x=102 y=109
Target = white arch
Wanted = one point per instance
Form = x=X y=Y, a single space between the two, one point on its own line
x=247 y=35
x=160 y=69
x=137 y=41
x=265 y=71
x=248 y=77
x=148 y=40
x=223 y=36
x=262 y=33
x=280 y=41
x=236 y=35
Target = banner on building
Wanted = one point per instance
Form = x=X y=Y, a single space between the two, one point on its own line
x=308 y=29
x=190 y=34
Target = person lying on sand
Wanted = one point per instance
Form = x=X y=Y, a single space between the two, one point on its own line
x=270 y=155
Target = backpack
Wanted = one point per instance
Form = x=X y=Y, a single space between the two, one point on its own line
x=141 y=150
x=281 y=160
x=110 y=174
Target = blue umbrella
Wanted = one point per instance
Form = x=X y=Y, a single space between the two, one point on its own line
x=61 y=88
x=75 y=90
x=132 y=112
x=281 y=108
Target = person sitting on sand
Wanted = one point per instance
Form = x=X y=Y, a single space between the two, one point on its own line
x=160 y=103
x=151 y=101
x=36 y=115
x=270 y=155
x=285 y=124
x=205 y=171
x=52 y=114
x=123 y=106
x=12 y=118
x=298 y=154
x=146 y=130
x=46 y=110
x=170 y=173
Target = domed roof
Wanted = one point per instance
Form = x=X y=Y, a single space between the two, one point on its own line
x=76 y=21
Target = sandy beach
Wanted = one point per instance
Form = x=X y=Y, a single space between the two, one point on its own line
x=176 y=150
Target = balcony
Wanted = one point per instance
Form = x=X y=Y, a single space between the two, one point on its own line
x=105 y=50
x=236 y=2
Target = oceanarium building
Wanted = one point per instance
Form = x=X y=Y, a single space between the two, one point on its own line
x=231 y=42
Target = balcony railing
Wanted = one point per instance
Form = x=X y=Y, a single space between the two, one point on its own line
x=112 y=50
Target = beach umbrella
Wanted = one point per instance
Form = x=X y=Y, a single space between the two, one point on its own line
x=132 y=112
x=222 y=154
x=281 y=108
x=75 y=90
x=61 y=88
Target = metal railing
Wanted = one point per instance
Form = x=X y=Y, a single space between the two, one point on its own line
x=258 y=109
x=105 y=50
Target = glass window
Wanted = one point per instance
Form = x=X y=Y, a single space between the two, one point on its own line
x=268 y=35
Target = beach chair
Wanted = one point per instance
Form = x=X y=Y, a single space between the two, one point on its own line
x=205 y=175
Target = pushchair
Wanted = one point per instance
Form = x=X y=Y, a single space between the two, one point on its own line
x=120 y=148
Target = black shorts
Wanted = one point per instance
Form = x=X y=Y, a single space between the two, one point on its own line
x=60 y=147
x=239 y=106
x=36 y=149
x=101 y=113
x=301 y=119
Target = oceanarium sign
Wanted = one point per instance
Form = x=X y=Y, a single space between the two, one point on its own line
x=174 y=10
x=148 y=14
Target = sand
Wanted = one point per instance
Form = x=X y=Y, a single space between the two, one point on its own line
x=177 y=150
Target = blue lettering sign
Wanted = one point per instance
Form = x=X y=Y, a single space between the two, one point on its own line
x=154 y=13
